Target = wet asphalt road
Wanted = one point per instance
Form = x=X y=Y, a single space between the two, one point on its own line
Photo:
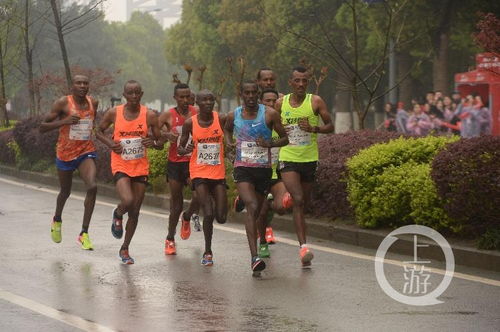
x=59 y=287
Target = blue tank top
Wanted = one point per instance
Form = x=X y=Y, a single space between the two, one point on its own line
x=246 y=132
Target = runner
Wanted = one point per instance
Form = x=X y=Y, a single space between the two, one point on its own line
x=178 y=166
x=278 y=199
x=74 y=116
x=206 y=165
x=129 y=162
x=300 y=113
x=252 y=126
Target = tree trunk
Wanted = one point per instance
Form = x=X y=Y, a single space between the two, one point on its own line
x=4 y=117
x=28 y=52
x=404 y=61
x=343 y=111
x=57 y=21
x=440 y=64
x=441 y=42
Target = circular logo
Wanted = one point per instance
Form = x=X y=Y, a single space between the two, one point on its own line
x=426 y=299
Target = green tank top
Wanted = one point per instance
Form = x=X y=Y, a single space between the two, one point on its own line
x=303 y=146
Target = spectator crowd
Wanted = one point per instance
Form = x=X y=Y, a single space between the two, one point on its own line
x=467 y=117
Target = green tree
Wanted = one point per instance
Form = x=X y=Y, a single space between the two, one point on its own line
x=140 y=56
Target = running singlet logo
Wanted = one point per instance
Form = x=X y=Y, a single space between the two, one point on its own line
x=81 y=131
x=208 y=154
x=132 y=148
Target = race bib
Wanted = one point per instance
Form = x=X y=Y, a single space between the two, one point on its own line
x=208 y=154
x=81 y=131
x=132 y=148
x=297 y=136
x=178 y=129
x=252 y=153
x=275 y=152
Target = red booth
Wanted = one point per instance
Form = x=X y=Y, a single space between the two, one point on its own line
x=484 y=81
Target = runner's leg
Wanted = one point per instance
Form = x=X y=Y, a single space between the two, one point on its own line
x=205 y=200
x=292 y=183
x=65 y=182
x=176 y=205
x=138 y=189
x=253 y=201
x=220 y=199
x=87 y=170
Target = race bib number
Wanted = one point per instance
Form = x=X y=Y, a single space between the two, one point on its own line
x=252 y=153
x=275 y=152
x=297 y=136
x=208 y=154
x=81 y=131
x=178 y=129
x=132 y=148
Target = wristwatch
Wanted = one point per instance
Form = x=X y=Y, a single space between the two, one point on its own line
x=315 y=129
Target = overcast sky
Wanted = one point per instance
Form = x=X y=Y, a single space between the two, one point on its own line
x=115 y=10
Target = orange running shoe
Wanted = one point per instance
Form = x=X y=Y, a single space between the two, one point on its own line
x=170 y=247
x=185 y=227
x=287 y=201
x=306 y=256
x=270 y=235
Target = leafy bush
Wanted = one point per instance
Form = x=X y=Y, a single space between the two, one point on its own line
x=33 y=144
x=103 y=162
x=385 y=180
x=7 y=155
x=490 y=239
x=158 y=161
x=329 y=196
x=467 y=177
x=404 y=195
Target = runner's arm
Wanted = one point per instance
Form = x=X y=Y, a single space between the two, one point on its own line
x=230 y=149
x=152 y=121
x=319 y=107
x=278 y=128
x=164 y=120
x=57 y=116
x=182 y=149
x=107 y=120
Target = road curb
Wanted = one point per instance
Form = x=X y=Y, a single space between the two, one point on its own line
x=467 y=256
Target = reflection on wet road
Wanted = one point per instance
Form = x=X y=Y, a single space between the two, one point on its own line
x=175 y=293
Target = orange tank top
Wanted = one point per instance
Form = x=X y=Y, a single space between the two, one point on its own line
x=207 y=159
x=76 y=140
x=133 y=161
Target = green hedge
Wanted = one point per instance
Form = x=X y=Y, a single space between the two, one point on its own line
x=389 y=184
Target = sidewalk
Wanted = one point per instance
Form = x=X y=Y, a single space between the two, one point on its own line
x=465 y=253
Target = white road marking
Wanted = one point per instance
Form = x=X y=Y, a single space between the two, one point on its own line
x=47 y=311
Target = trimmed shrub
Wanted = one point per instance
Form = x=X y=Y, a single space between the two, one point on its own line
x=467 y=177
x=329 y=196
x=380 y=181
x=7 y=155
x=404 y=195
x=158 y=162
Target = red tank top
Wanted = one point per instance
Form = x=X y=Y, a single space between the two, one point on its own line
x=76 y=140
x=177 y=122
x=133 y=161
x=207 y=160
